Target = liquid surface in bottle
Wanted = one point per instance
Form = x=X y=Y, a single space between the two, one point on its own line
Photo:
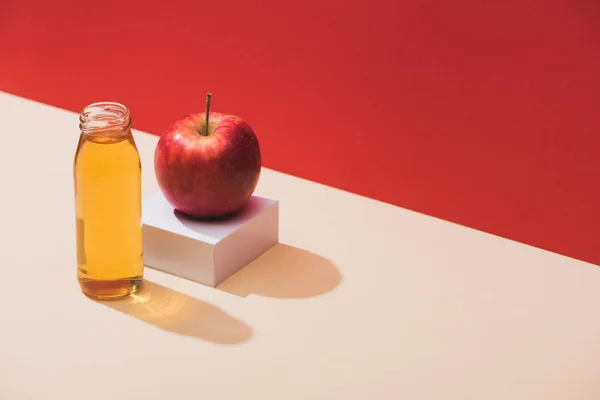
x=108 y=206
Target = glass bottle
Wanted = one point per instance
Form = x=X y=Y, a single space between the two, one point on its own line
x=108 y=203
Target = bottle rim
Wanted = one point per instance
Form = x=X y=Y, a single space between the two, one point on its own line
x=105 y=118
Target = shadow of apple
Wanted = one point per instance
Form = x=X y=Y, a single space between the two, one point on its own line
x=285 y=272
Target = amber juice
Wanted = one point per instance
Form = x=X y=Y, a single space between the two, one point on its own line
x=107 y=174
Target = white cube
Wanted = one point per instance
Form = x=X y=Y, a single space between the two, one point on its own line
x=207 y=251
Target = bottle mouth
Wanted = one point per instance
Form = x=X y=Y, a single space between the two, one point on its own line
x=104 y=118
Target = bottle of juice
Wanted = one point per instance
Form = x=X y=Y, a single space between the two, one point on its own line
x=108 y=203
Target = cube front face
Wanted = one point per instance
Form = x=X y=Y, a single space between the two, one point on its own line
x=179 y=255
x=207 y=252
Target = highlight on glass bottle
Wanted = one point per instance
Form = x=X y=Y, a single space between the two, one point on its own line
x=108 y=203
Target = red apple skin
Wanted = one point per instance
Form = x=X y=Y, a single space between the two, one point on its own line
x=208 y=176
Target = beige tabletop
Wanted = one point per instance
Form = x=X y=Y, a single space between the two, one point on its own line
x=361 y=300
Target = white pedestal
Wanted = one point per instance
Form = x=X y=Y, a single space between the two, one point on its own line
x=207 y=251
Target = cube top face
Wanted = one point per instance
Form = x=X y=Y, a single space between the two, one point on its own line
x=158 y=212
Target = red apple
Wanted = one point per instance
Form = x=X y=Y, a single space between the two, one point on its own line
x=208 y=164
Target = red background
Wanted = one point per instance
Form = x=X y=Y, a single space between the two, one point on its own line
x=480 y=112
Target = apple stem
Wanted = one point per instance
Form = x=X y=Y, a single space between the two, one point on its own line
x=208 y=96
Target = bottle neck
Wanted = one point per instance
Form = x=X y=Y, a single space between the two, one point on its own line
x=105 y=120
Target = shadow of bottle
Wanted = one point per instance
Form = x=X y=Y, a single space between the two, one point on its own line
x=182 y=314
x=285 y=272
